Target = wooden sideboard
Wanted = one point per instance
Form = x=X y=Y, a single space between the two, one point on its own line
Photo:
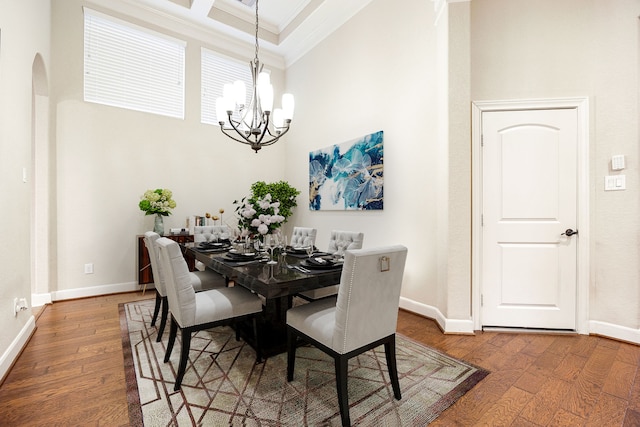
x=145 y=274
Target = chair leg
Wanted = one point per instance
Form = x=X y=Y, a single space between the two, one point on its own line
x=173 y=330
x=256 y=338
x=184 y=355
x=390 y=353
x=156 y=309
x=341 y=384
x=163 y=318
x=291 y=354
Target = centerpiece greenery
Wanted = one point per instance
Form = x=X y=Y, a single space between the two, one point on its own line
x=266 y=209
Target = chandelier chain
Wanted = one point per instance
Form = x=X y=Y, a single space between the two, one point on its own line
x=257 y=46
x=255 y=127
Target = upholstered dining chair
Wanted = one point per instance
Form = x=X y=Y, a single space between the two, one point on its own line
x=339 y=241
x=200 y=280
x=303 y=236
x=363 y=317
x=192 y=312
x=207 y=233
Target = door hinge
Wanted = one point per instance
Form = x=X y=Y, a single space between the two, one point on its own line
x=481 y=300
x=481 y=220
x=482 y=140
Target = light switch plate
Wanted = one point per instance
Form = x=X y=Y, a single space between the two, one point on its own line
x=615 y=183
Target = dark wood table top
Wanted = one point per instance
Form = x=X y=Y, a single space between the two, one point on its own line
x=270 y=281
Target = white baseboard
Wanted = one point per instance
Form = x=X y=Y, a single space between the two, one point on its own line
x=11 y=354
x=457 y=326
x=448 y=326
x=38 y=300
x=618 y=332
x=94 y=291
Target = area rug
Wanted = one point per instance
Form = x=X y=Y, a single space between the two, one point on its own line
x=223 y=386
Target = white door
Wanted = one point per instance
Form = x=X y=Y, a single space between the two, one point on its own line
x=529 y=199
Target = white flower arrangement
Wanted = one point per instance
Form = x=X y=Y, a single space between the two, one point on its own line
x=158 y=201
x=258 y=216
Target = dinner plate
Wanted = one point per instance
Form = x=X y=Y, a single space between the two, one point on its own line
x=209 y=245
x=312 y=266
x=301 y=250
x=239 y=256
x=320 y=261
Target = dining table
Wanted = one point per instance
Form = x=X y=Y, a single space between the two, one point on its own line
x=277 y=283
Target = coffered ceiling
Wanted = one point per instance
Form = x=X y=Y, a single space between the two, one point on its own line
x=288 y=28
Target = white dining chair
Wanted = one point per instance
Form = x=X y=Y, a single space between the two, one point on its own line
x=363 y=317
x=339 y=241
x=303 y=236
x=208 y=233
x=192 y=312
x=199 y=280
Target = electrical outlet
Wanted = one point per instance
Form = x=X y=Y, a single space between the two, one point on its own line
x=19 y=304
x=88 y=268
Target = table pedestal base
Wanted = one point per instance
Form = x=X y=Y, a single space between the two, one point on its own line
x=272 y=327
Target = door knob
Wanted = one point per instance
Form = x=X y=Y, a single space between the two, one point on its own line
x=569 y=232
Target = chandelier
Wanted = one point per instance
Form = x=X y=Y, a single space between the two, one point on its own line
x=256 y=124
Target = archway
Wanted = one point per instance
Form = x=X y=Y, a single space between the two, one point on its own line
x=40 y=179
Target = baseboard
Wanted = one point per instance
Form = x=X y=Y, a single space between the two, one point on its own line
x=457 y=326
x=448 y=326
x=617 y=332
x=16 y=346
x=38 y=300
x=94 y=291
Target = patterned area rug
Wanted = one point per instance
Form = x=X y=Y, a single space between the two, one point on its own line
x=224 y=386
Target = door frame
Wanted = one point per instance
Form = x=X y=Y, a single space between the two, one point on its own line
x=581 y=104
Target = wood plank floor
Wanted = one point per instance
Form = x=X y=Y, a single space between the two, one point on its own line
x=71 y=373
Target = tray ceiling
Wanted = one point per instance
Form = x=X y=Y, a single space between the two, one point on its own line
x=288 y=28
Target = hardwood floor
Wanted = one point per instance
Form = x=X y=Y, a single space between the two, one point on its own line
x=71 y=373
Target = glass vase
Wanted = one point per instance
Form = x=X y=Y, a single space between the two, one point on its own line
x=158 y=225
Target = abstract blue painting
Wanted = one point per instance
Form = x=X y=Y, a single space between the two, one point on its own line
x=348 y=176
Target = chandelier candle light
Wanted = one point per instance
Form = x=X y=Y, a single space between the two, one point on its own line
x=259 y=124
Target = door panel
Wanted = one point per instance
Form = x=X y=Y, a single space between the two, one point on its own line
x=529 y=199
x=527 y=150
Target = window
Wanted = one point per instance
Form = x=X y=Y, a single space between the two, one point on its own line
x=131 y=67
x=218 y=70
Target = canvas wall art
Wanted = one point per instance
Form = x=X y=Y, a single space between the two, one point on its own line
x=348 y=176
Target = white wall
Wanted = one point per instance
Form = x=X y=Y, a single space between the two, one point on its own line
x=24 y=33
x=365 y=79
x=376 y=72
x=107 y=157
x=546 y=49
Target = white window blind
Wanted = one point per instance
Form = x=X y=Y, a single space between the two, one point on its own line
x=131 y=67
x=216 y=71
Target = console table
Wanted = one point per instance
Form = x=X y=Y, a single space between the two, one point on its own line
x=145 y=274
